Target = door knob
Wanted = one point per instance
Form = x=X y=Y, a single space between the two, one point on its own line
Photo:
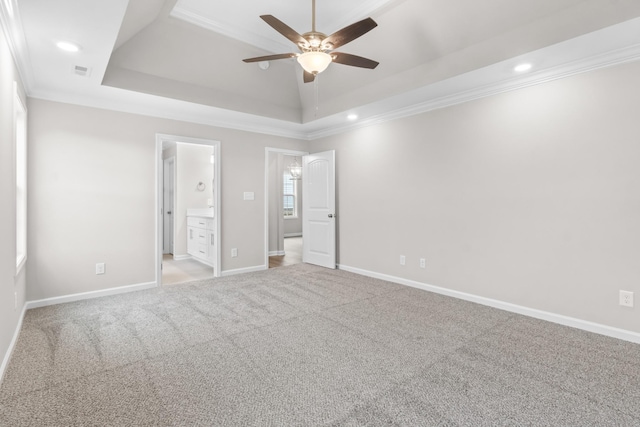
x=168 y=212
x=331 y=215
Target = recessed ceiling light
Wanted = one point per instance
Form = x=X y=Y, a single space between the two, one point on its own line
x=352 y=116
x=522 y=68
x=68 y=46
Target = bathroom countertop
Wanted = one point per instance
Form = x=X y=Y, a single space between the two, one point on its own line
x=201 y=212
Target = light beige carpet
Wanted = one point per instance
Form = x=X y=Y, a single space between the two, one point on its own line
x=307 y=346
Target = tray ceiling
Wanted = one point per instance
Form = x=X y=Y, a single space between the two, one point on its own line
x=183 y=58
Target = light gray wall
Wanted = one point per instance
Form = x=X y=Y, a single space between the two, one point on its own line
x=92 y=175
x=193 y=165
x=9 y=282
x=529 y=197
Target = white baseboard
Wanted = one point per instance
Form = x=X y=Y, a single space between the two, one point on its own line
x=298 y=234
x=12 y=344
x=585 y=325
x=88 y=295
x=243 y=270
x=276 y=253
x=181 y=257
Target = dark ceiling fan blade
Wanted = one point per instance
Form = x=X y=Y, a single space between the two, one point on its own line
x=353 y=60
x=270 y=57
x=350 y=33
x=283 y=29
x=307 y=77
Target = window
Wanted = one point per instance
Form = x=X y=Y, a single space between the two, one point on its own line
x=290 y=196
x=20 y=150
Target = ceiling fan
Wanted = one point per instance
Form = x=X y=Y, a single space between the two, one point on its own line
x=316 y=49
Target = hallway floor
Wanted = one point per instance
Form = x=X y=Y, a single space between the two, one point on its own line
x=293 y=253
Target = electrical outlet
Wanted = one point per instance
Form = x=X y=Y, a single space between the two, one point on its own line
x=423 y=263
x=100 y=268
x=403 y=260
x=234 y=252
x=626 y=299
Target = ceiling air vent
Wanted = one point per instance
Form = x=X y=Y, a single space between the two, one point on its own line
x=82 y=71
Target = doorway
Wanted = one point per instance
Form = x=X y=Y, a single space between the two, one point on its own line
x=188 y=198
x=283 y=208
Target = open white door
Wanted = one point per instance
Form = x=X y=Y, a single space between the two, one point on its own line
x=167 y=200
x=318 y=209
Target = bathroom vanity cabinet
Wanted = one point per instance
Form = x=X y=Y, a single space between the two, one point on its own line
x=201 y=239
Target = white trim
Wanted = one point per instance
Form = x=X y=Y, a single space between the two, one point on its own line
x=14 y=33
x=113 y=99
x=513 y=308
x=456 y=96
x=171 y=162
x=20 y=168
x=89 y=295
x=276 y=253
x=12 y=344
x=298 y=234
x=232 y=31
x=272 y=44
x=244 y=270
x=181 y=257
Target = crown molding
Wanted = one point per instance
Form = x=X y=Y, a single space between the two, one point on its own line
x=608 y=47
x=584 y=65
x=119 y=100
x=155 y=106
x=13 y=31
x=230 y=31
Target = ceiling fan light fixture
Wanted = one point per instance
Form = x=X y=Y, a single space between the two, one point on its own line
x=314 y=62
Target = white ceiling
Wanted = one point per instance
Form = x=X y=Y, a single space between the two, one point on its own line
x=182 y=59
x=243 y=23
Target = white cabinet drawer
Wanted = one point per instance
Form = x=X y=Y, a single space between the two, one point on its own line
x=193 y=221
x=197 y=222
x=201 y=244
x=202 y=251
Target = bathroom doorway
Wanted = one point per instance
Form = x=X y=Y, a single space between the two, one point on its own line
x=188 y=193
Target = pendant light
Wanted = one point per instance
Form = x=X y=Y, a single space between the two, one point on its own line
x=295 y=170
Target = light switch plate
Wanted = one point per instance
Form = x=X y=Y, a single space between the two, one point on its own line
x=249 y=195
x=100 y=268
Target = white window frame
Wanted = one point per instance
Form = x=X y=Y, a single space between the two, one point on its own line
x=294 y=194
x=20 y=168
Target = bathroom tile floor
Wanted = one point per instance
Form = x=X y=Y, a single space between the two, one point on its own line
x=182 y=271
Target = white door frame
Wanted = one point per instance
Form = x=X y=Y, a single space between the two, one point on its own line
x=160 y=138
x=167 y=241
x=267 y=151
